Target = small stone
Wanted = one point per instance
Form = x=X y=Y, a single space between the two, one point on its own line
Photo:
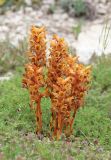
x=99 y=149
x=28 y=9
x=33 y=14
x=56 y=17
x=6 y=77
x=101 y=9
x=4 y=29
x=28 y=2
x=2 y=36
x=64 y=16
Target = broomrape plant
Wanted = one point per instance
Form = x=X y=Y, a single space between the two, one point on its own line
x=65 y=82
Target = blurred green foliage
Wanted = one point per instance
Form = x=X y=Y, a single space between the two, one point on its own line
x=2 y=2
x=11 y=56
x=77 y=6
x=51 y=9
x=76 y=29
x=80 y=7
x=66 y=5
x=16 y=4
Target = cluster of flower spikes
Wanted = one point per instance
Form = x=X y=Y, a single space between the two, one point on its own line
x=66 y=83
x=33 y=79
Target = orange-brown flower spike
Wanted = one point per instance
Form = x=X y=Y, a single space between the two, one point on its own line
x=66 y=81
x=37 y=52
x=33 y=78
x=58 y=83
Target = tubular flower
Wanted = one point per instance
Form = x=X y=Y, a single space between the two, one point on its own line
x=64 y=80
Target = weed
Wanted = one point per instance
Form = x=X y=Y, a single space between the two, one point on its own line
x=77 y=29
x=80 y=7
x=11 y=54
x=51 y=9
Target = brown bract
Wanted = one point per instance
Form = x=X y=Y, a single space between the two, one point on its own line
x=65 y=82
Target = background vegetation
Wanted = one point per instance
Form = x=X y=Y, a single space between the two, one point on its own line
x=91 y=138
x=16 y=4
